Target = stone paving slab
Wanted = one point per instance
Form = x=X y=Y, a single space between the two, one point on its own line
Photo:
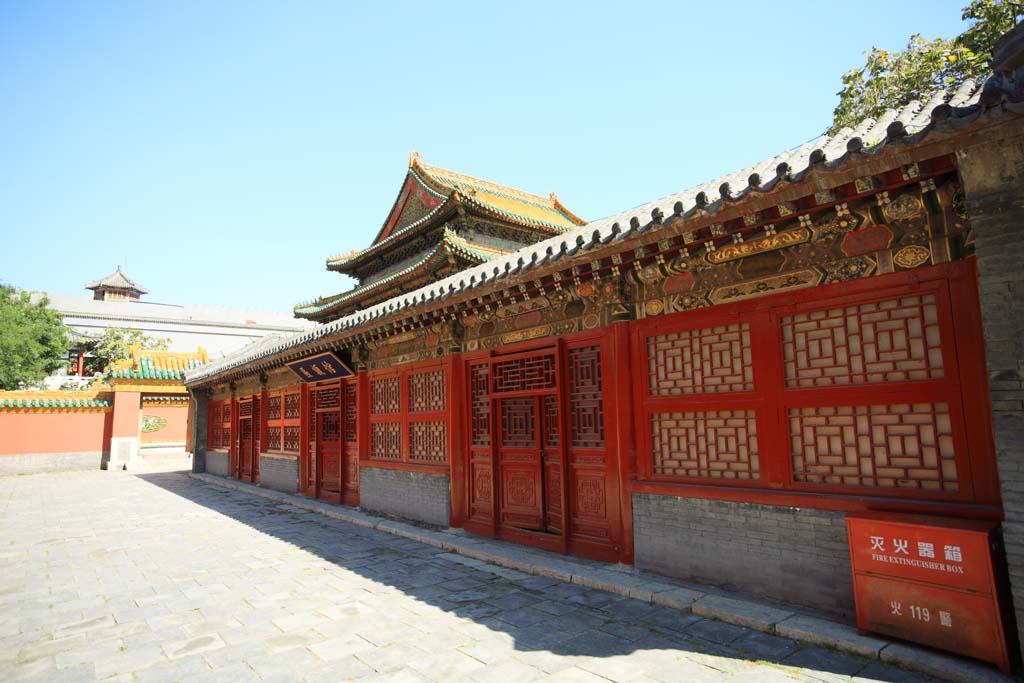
x=162 y=577
x=743 y=611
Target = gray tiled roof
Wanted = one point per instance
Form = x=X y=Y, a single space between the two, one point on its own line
x=945 y=110
x=117 y=280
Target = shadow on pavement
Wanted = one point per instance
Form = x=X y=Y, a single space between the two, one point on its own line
x=538 y=612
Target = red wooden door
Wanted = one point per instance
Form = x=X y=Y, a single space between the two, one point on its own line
x=520 y=464
x=350 y=447
x=328 y=442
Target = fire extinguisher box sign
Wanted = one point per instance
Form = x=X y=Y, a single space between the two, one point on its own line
x=929 y=580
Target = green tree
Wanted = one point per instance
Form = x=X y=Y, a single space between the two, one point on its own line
x=33 y=339
x=116 y=344
x=891 y=80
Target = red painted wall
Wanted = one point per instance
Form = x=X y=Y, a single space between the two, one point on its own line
x=174 y=430
x=54 y=432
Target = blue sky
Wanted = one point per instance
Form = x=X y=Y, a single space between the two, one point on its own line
x=221 y=150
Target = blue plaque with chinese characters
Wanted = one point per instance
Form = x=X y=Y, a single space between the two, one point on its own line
x=320 y=367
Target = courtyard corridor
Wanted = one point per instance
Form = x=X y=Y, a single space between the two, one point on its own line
x=161 y=577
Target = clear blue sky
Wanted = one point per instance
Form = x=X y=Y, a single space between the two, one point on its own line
x=221 y=150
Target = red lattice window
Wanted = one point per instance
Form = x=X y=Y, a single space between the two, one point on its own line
x=350 y=412
x=291 y=439
x=385 y=396
x=586 y=409
x=219 y=425
x=427 y=391
x=715 y=444
x=409 y=427
x=893 y=340
x=480 y=404
x=386 y=440
x=889 y=446
x=524 y=373
x=709 y=360
x=291 y=406
x=428 y=442
x=283 y=421
x=858 y=391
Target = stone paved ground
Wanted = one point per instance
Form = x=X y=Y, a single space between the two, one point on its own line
x=159 y=577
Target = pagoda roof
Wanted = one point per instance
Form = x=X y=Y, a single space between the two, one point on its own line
x=893 y=138
x=452 y=188
x=450 y=245
x=117 y=280
x=147 y=364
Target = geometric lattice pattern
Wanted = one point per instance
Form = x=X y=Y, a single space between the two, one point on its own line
x=330 y=431
x=291 y=439
x=528 y=373
x=274 y=407
x=385 y=396
x=427 y=391
x=225 y=414
x=550 y=415
x=906 y=446
x=326 y=398
x=350 y=412
x=883 y=341
x=386 y=440
x=479 y=405
x=586 y=410
x=274 y=439
x=711 y=360
x=291 y=406
x=519 y=422
x=717 y=444
x=427 y=441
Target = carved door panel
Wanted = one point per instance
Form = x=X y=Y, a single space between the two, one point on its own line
x=329 y=451
x=520 y=464
x=552 y=462
x=245 y=447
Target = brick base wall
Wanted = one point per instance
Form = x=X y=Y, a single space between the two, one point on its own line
x=420 y=496
x=790 y=554
x=279 y=472
x=30 y=463
x=218 y=462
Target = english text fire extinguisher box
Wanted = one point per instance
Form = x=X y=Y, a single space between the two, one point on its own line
x=929 y=580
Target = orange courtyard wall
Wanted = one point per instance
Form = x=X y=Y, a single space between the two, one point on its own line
x=165 y=424
x=34 y=432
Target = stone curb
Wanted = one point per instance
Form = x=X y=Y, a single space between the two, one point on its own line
x=628 y=583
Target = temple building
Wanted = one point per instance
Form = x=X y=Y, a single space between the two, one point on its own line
x=704 y=386
x=442 y=222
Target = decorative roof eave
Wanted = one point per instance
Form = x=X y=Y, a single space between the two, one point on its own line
x=350 y=262
x=449 y=244
x=939 y=128
x=394 y=205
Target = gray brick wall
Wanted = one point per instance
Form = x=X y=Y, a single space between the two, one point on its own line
x=993 y=174
x=421 y=496
x=29 y=463
x=218 y=462
x=790 y=554
x=279 y=473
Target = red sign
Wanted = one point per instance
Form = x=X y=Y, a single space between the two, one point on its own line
x=929 y=580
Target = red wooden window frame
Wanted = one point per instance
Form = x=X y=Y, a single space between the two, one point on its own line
x=401 y=421
x=276 y=425
x=953 y=287
x=219 y=425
